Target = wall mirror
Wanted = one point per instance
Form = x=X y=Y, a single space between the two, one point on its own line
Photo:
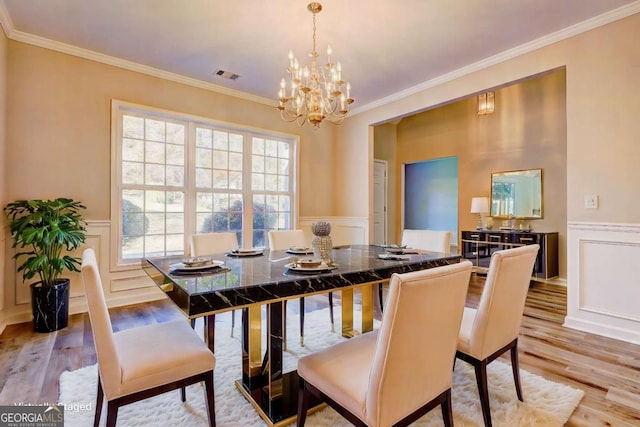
x=517 y=194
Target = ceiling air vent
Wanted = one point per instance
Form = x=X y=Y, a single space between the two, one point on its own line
x=226 y=74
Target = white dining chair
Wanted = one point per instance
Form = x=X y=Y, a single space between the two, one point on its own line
x=426 y=240
x=139 y=363
x=396 y=374
x=213 y=243
x=210 y=244
x=283 y=240
x=492 y=329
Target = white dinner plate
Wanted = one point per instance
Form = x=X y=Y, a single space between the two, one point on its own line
x=183 y=267
x=245 y=252
x=322 y=267
x=299 y=251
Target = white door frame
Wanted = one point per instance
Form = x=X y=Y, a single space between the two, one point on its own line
x=385 y=231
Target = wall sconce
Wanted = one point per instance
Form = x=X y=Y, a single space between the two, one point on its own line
x=486 y=103
x=480 y=206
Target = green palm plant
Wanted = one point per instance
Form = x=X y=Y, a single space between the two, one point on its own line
x=41 y=230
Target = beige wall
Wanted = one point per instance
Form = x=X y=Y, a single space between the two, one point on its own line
x=59 y=127
x=3 y=166
x=527 y=130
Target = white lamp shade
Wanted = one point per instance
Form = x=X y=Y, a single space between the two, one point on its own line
x=479 y=205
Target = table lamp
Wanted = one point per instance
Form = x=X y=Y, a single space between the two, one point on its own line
x=480 y=205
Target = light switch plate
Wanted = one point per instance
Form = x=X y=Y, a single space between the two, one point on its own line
x=591 y=201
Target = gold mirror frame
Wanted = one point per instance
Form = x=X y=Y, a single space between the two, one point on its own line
x=517 y=194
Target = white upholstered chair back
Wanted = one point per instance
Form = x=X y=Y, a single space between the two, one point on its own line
x=417 y=341
x=213 y=243
x=103 y=335
x=499 y=315
x=284 y=239
x=428 y=240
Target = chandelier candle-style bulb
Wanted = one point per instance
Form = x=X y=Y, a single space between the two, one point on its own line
x=316 y=93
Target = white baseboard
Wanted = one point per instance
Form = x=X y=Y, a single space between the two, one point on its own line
x=600 y=328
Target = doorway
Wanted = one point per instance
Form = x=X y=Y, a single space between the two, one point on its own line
x=431 y=195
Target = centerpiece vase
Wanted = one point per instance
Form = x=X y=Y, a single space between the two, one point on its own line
x=321 y=241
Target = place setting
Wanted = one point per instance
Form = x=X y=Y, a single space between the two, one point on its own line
x=309 y=266
x=249 y=252
x=397 y=252
x=196 y=265
x=299 y=250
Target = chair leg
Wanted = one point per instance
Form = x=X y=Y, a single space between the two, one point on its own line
x=183 y=394
x=483 y=390
x=516 y=370
x=331 y=311
x=301 y=322
x=233 y=321
x=193 y=323
x=303 y=402
x=99 y=399
x=447 y=410
x=284 y=330
x=209 y=398
x=380 y=295
x=112 y=414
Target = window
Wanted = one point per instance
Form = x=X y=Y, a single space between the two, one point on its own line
x=175 y=175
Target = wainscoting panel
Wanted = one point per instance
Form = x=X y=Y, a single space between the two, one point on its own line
x=344 y=230
x=120 y=288
x=4 y=231
x=603 y=286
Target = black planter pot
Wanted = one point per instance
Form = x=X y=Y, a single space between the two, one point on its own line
x=50 y=306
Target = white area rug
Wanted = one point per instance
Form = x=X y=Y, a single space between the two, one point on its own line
x=546 y=403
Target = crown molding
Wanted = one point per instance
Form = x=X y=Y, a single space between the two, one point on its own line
x=579 y=28
x=5 y=20
x=20 y=36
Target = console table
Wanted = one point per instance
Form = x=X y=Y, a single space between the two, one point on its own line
x=479 y=245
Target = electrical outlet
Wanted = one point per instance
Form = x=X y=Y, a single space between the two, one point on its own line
x=591 y=201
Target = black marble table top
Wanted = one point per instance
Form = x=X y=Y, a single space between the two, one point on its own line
x=243 y=281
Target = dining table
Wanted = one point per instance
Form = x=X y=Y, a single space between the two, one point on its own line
x=252 y=280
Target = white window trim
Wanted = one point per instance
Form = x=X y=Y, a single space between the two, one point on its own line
x=117 y=106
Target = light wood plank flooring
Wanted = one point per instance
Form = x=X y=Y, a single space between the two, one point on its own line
x=607 y=370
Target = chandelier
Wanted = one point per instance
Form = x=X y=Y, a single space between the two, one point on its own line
x=314 y=93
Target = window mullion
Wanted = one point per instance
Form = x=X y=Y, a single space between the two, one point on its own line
x=190 y=186
x=247 y=193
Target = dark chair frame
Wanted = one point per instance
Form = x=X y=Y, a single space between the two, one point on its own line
x=306 y=389
x=115 y=404
x=480 y=367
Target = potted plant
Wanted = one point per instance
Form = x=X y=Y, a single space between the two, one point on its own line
x=41 y=231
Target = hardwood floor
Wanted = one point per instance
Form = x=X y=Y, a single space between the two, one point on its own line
x=607 y=370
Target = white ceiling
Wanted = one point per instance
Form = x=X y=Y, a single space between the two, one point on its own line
x=385 y=47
